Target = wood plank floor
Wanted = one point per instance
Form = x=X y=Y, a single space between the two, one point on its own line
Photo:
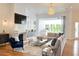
x=71 y=49
x=68 y=50
x=6 y=50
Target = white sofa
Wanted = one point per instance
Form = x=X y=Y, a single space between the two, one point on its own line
x=57 y=48
x=36 y=42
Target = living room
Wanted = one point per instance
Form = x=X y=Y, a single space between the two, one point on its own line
x=41 y=21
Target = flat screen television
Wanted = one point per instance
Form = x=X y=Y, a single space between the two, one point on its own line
x=19 y=18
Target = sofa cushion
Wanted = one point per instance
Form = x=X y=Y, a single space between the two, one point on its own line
x=52 y=34
x=53 y=42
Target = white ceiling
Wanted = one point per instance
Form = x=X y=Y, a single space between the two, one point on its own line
x=42 y=8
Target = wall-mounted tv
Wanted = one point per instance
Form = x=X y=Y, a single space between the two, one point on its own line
x=19 y=18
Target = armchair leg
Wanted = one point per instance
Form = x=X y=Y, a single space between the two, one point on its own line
x=23 y=48
x=13 y=50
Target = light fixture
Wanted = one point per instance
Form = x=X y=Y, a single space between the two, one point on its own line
x=4 y=23
x=51 y=9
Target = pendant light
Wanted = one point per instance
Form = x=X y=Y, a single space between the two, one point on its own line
x=51 y=9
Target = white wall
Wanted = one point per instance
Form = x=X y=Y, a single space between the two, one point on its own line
x=21 y=10
x=7 y=13
x=30 y=18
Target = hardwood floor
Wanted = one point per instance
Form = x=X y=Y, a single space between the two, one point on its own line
x=68 y=50
x=71 y=49
x=6 y=50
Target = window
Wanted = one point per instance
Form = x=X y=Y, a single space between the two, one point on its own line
x=54 y=25
x=76 y=29
x=55 y=28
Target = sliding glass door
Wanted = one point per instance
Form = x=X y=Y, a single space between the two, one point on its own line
x=54 y=25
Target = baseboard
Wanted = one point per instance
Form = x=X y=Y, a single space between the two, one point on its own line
x=3 y=44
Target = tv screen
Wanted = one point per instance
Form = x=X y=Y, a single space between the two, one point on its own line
x=19 y=18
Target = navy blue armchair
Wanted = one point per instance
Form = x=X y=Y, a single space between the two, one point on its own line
x=16 y=44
